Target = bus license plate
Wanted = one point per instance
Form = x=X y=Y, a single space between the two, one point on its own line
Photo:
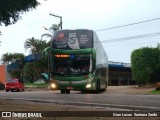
x=69 y=88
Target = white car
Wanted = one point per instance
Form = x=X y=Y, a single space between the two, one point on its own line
x=40 y=81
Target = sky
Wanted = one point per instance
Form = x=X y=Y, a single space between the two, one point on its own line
x=90 y=14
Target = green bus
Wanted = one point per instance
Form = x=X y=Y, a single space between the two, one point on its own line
x=77 y=61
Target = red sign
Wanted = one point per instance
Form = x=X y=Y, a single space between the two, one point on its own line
x=61 y=35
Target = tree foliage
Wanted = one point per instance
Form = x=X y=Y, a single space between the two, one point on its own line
x=144 y=62
x=11 y=57
x=35 y=45
x=11 y=10
x=33 y=70
x=51 y=31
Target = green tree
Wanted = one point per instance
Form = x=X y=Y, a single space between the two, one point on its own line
x=144 y=61
x=6 y=58
x=9 y=57
x=31 y=44
x=12 y=60
x=17 y=57
x=32 y=70
x=35 y=45
x=51 y=30
x=11 y=10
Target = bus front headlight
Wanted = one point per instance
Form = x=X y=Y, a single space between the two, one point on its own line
x=88 y=85
x=53 y=85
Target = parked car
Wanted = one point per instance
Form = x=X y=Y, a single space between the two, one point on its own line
x=14 y=84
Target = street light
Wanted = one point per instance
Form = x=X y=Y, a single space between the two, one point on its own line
x=60 y=17
x=49 y=59
x=45 y=34
x=49 y=66
x=47 y=29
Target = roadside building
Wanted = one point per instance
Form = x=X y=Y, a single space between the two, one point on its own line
x=120 y=74
x=4 y=75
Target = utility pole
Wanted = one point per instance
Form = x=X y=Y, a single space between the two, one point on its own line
x=60 y=17
x=158 y=45
x=0 y=34
x=49 y=66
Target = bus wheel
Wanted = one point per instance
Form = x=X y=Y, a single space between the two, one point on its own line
x=97 y=87
x=83 y=91
x=62 y=91
x=67 y=91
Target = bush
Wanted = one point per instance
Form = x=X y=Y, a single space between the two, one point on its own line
x=145 y=61
x=158 y=86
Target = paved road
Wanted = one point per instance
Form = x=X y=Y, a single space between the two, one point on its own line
x=125 y=101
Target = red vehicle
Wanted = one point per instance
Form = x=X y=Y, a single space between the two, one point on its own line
x=14 y=84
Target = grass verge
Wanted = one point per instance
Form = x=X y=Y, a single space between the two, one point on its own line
x=36 y=84
x=155 y=92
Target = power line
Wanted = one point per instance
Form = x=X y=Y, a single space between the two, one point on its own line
x=128 y=24
x=116 y=39
x=151 y=42
x=130 y=38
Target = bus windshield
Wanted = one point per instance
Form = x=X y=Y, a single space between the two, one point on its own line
x=72 y=64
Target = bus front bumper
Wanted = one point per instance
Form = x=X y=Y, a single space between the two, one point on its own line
x=72 y=85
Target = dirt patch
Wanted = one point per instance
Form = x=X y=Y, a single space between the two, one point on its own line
x=128 y=90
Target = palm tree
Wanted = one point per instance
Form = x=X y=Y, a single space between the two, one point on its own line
x=35 y=68
x=6 y=58
x=35 y=45
x=16 y=59
x=41 y=45
x=31 y=44
x=52 y=29
x=17 y=56
x=9 y=57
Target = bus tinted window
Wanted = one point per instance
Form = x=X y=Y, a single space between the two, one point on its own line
x=78 y=65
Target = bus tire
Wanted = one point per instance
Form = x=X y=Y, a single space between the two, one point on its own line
x=104 y=89
x=97 y=87
x=62 y=91
x=67 y=91
x=83 y=91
